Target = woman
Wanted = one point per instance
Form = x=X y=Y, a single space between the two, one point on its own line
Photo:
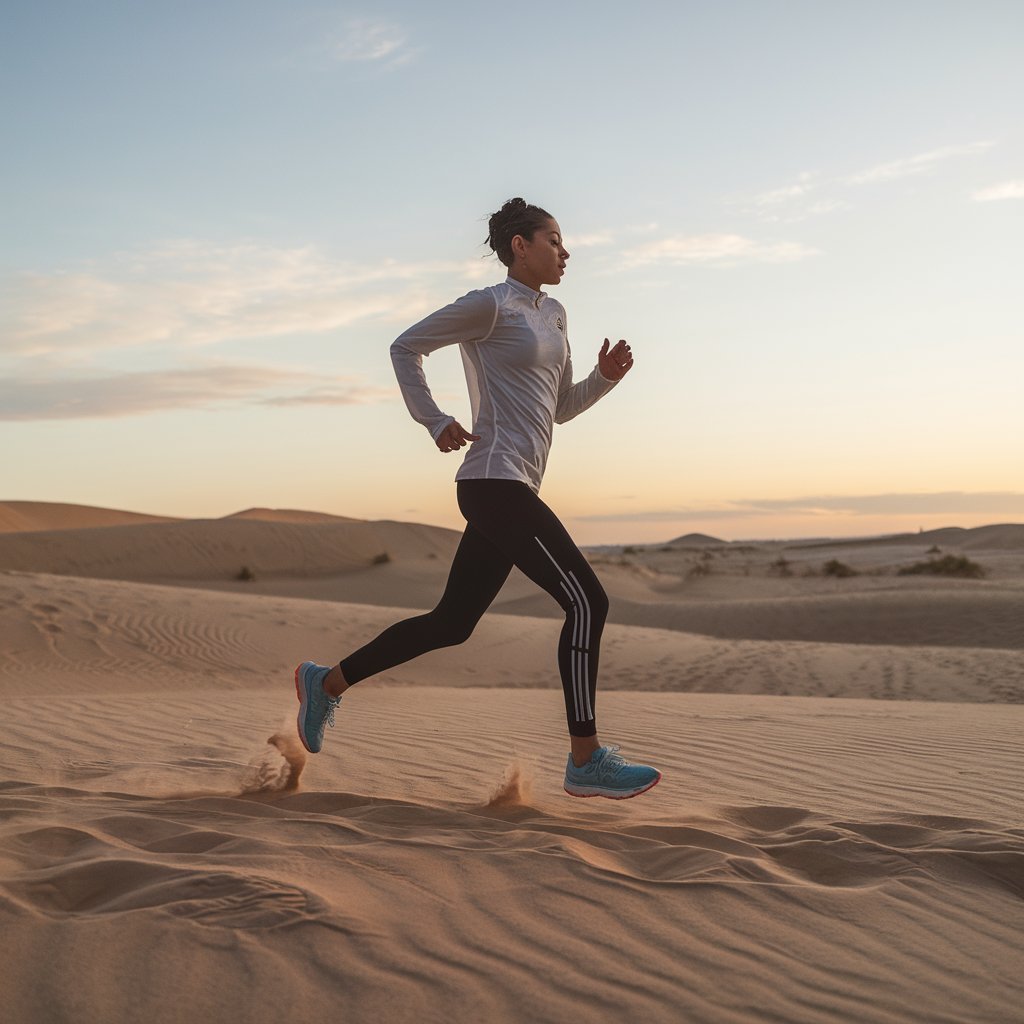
x=519 y=372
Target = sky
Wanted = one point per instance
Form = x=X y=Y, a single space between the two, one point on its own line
x=805 y=218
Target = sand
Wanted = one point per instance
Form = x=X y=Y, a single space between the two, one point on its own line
x=838 y=836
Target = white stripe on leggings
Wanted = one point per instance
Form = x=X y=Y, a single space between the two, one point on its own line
x=577 y=702
x=581 y=633
x=586 y=647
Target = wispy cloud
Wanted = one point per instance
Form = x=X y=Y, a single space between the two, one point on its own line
x=590 y=241
x=805 y=184
x=116 y=395
x=364 y=39
x=350 y=395
x=812 y=194
x=724 y=250
x=666 y=515
x=938 y=503
x=1005 y=190
x=898 y=503
x=791 y=204
x=921 y=163
x=193 y=293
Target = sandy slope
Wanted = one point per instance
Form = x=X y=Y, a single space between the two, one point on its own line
x=18 y=516
x=217 y=549
x=108 y=634
x=731 y=592
x=168 y=853
x=802 y=860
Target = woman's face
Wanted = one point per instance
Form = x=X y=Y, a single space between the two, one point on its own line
x=541 y=258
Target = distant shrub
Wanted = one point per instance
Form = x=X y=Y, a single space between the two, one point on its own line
x=699 y=569
x=630 y=550
x=666 y=548
x=381 y=558
x=948 y=565
x=836 y=568
x=781 y=567
x=934 y=550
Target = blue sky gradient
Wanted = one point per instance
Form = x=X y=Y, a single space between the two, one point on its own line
x=805 y=218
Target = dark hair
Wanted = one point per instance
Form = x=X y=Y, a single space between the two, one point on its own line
x=516 y=217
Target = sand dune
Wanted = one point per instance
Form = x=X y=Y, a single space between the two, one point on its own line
x=16 y=516
x=838 y=836
x=779 y=874
x=960 y=618
x=116 y=635
x=731 y=592
x=217 y=549
x=999 y=536
x=287 y=515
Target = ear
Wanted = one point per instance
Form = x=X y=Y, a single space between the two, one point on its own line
x=518 y=246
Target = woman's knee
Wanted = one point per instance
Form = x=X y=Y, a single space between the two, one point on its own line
x=598 y=600
x=449 y=630
x=591 y=599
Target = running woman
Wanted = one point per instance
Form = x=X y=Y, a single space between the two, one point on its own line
x=518 y=366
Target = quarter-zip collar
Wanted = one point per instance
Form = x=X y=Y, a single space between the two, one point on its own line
x=524 y=289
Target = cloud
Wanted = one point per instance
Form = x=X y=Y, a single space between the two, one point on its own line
x=588 y=241
x=919 y=164
x=805 y=183
x=374 y=41
x=718 y=250
x=950 y=502
x=191 y=293
x=1005 y=190
x=790 y=204
x=352 y=395
x=666 y=515
x=132 y=394
x=804 y=198
x=938 y=503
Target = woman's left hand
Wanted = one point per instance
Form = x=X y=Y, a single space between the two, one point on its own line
x=614 y=365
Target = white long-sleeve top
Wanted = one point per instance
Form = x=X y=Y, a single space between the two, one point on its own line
x=515 y=351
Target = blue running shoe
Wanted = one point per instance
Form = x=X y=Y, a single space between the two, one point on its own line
x=316 y=708
x=608 y=774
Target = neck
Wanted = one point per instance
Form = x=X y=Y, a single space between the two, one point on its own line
x=524 y=277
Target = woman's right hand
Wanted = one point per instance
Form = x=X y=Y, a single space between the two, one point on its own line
x=454 y=437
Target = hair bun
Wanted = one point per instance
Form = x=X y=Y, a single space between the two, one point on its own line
x=510 y=208
x=516 y=217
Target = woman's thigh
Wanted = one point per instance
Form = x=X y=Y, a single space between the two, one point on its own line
x=515 y=520
x=478 y=571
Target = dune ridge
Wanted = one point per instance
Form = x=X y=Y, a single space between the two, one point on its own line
x=838 y=836
x=116 y=635
x=741 y=592
x=217 y=549
x=30 y=516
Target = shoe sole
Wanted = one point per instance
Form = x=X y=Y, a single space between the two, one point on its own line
x=300 y=692
x=609 y=793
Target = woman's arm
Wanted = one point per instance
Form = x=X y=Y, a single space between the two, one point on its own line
x=470 y=318
x=611 y=367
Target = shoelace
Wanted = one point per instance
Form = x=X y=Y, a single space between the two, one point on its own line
x=332 y=704
x=612 y=763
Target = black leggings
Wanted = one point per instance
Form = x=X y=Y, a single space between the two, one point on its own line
x=507 y=524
